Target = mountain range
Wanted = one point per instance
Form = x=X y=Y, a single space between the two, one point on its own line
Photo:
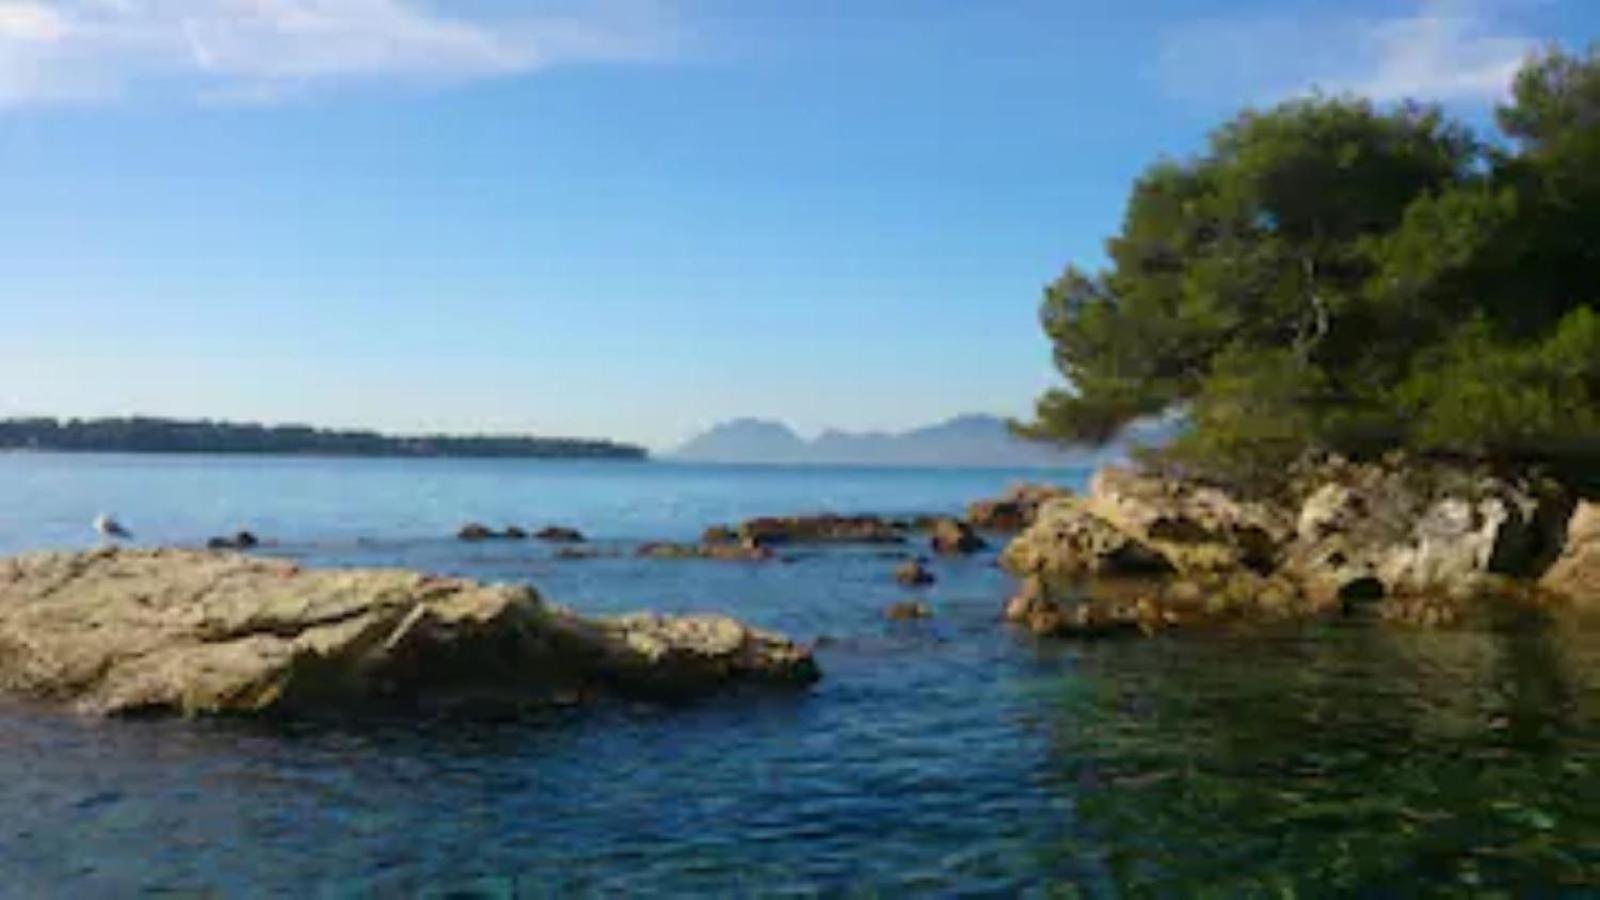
x=968 y=440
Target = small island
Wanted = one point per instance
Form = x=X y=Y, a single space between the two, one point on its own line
x=155 y=435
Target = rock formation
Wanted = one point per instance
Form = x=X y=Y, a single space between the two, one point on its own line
x=198 y=633
x=1421 y=538
x=912 y=573
x=1015 y=508
x=826 y=528
x=476 y=531
x=721 y=552
x=953 y=537
x=1576 y=573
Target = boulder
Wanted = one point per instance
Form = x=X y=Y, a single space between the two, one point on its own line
x=1576 y=573
x=1068 y=541
x=242 y=540
x=1015 y=509
x=908 y=610
x=475 y=531
x=193 y=633
x=913 y=573
x=556 y=534
x=953 y=537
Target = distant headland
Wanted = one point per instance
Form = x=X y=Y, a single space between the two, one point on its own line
x=155 y=435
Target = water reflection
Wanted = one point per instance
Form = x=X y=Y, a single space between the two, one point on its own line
x=1336 y=758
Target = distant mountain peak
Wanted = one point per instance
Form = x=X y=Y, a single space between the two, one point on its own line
x=971 y=439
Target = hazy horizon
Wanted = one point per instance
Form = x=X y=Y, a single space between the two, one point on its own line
x=630 y=219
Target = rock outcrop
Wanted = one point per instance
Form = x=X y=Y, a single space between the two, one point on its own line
x=826 y=528
x=1195 y=527
x=1068 y=541
x=242 y=540
x=476 y=531
x=1576 y=573
x=1015 y=509
x=1417 y=537
x=559 y=534
x=1370 y=531
x=196 y=633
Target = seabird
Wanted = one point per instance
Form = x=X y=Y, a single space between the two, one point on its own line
x=109 y=527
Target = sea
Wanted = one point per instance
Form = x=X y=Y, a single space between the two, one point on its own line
x=954 y=756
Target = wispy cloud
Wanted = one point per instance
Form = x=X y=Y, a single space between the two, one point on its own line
x=1444 y=50
x=83 y=50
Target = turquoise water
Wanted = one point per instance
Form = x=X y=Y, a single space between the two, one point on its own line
x=954 y=756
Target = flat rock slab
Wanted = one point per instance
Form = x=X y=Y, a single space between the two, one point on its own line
x=118 y=631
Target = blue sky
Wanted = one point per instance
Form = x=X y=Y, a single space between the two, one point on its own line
x=630 y=218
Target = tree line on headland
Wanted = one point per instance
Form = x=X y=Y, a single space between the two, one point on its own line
x=1337 y=277
x=154 y=435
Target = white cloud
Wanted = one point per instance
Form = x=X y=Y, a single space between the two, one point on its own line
x=77 y=50
x=1444 y=50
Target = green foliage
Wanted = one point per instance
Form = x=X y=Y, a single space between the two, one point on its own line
x=1329 y=275
x=1477 y=394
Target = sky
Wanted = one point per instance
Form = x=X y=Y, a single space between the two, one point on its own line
x=621 y=218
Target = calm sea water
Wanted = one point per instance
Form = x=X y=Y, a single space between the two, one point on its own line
x=948 y=756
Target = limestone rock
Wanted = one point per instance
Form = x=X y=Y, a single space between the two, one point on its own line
x=1015 y=509
x=194 y=633
x=1388 y=529
x=1576 y=574
x=1069 y=541
x=826 y=528
x=1196 y=527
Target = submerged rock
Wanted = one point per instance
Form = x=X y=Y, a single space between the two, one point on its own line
x=908 y=610
x=953 y=537
x=722 y=552
x=193 y=633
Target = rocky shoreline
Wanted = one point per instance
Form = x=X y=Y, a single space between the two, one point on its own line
x=206 y=632
x=1427 y=544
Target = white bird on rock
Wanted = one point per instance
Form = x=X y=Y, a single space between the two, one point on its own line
x=109 y=528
